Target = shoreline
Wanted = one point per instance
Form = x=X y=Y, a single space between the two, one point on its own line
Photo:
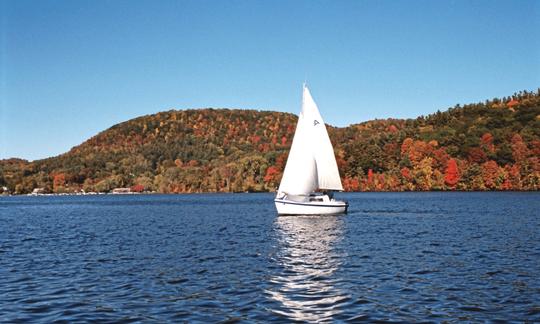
x=247 y=192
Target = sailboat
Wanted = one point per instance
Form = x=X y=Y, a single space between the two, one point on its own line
x=311 y=174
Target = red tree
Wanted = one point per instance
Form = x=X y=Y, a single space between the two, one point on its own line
x=137 y=188
x=392 y=129
x=370 y=176
x=441 y=157
x=406 y=173
x=59 y=180
x=272 y=174
x=489 y=173
x=351 y=184
x=519 y=149
x=406 y=145
x=487 y=142
x=193 y=163
x=477 y=155
x=451 y=176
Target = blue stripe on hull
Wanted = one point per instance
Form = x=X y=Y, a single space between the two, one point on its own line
x=311 y=205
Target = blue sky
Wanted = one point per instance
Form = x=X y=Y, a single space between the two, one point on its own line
x=70 y=69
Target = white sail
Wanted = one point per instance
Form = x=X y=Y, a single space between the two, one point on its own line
x=311 y=163
x=327 y=170
x=300 y=175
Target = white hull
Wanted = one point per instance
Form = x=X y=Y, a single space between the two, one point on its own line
x=290 y=207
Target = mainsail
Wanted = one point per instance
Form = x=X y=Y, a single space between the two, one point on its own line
x=311 y=164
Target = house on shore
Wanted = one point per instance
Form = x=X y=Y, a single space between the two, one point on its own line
x=38 y=191
x=121 y=190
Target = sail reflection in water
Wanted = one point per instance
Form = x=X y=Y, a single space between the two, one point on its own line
x=305 y=285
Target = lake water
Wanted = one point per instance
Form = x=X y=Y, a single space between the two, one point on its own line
x=396 y=257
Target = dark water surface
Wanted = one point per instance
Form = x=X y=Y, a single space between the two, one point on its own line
x=402 y=257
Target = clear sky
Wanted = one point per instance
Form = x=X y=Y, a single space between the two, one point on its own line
x=69 y=69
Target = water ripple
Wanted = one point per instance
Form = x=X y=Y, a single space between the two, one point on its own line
x=397 y=257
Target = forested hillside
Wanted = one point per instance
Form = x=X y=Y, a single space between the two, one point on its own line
x=493 y=145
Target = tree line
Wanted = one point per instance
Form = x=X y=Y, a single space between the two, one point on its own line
x=493 y=145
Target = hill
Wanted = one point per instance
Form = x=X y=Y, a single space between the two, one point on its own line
x=494 y=145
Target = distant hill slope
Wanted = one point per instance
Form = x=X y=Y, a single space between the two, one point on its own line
x=493 y=145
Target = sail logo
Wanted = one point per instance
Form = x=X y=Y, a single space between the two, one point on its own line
x=315 y=122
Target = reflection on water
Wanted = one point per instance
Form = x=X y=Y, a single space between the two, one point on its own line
x=396 y=258
x=305 y=285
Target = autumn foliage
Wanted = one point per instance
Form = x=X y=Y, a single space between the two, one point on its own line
x=494 y=145
x=451 y=176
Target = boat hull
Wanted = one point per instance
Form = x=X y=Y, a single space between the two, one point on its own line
x=288 y=207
